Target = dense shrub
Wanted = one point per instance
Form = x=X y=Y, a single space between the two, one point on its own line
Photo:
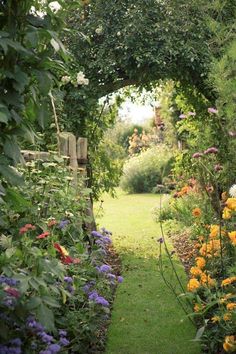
x=143 y=172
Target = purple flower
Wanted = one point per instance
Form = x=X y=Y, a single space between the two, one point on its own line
x=111 y=276
x=120 y=279
x=46 y=338
x=45 y=352
x=212 y=110
x=182 y=116
x=160 y=240
x=63 y=224
x=106 y=239
x=62 y=333
x=192 y=113
x=104 y=268
x=211 y=150
x=10 y=303
x=8 y=281
x=93 y=295
x=63 y=341
x=196 y=155
x=54 y=348
x=16 y=341
x=96 y=234
x=101 y=301
x=70 y=289
x=68 y=280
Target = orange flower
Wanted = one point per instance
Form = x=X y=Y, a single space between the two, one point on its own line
x=232 y=236
x=200 y=261
x=52 y=222
x=231 y=203
x=214 y=231
x=198 y=308
x=196 y=212
x=230 y=344
x=231 y=306
x=227 y=316
x=193 y=284
x=207 y=280
x=195 y=271
x=215 y=319
x=226 y=213
x=228 y=281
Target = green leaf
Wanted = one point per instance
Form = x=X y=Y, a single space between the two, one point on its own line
x=21 y=80
x=34 y=284
x=11 y=175
x=46 y=317
x=4 y=114
x=44 y=81
x=10 y=252
x=33 y=303
x=16 y=200
x=12 y=150
x=48 y=300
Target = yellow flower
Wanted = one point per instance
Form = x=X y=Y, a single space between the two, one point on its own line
x=193 y=284
x=215 y=319
x=231 y=203
x=64 y=251
x=196 y=271
x=227 y=316
x=197 y=212
x=232 y=236
x=197 y=308
x=226 y=213
x=214 y=231
x=231 y=306
x=229 y=344
x=228 y=281
x=207 y=280
x=200 y=261
x=211 y=248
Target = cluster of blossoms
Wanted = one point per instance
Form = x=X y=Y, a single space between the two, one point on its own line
x=211 y=248
x=11 y=293
x=98 y=299
x=211 y=150
x=106 y=269
x=81 y=79
x=26 y=228
x=12 y=347
x=38 y=331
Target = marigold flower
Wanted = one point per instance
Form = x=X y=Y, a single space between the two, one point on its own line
x=193 y=284
x=196 y=212
x=228 y=281
x=215 y=319
x=232 y=236
x=195 y=271
x=231 y=306
x=214 y=231
x=226 y=213
x=230 y=344
x=43 y=235
x=200 y=261
x=231 y=203
x=227 y=316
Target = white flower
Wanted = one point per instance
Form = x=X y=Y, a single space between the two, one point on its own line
x=118 y=33
x=81 y=80
x=54 y=6
x=99 y=30
x=65 y=79
x=232 y=191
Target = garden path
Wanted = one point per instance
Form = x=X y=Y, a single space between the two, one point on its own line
x=146 y=317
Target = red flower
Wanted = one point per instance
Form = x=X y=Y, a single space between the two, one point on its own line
x=45 y=234
x=12 y=292
x=70 y=260
x=23 y=230
x=52 y=223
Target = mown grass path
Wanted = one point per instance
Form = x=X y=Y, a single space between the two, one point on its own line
x=146 y=318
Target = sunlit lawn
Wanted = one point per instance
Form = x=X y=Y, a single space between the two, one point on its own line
x=146 y=317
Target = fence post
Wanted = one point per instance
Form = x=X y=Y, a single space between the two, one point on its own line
x=67 y=142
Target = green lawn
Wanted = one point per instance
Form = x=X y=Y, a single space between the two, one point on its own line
x=146 y=317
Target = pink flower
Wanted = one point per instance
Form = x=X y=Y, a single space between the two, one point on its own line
x=182 y=116
x=12 y=292
x=212 y=110
x=45 y=234
x=218 y=167
x=192 y=113
x=211 y=150
x=197 y=155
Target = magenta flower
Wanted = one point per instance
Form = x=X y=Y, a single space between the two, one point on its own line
x=197 y=155
x=211 y=150
x=212 y=110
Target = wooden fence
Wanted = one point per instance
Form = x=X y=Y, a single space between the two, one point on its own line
x=76 y=151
